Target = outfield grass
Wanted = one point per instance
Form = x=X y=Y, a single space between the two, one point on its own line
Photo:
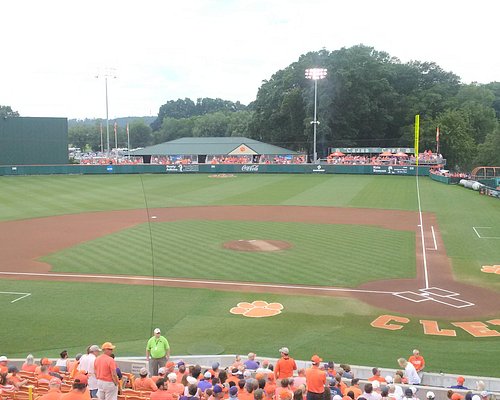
x=322 y=254
x=195 y=319
x=78 y=314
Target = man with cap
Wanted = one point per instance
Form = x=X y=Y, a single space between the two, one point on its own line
x=417 y=360
x=285 y=365
x=105 y=371
x=205 y=382
x=250 y=363
x=144 y=382
x=173 y=386
x=460 y=384
x=233 y=392
x=162 y=374
x=157 y=351
x=3 y=364
x=54 y=392
x=87 y=366
x=315 y=379
x=430 y=396
x=78 y=390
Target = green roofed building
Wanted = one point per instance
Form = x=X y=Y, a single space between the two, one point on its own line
x=206 y=149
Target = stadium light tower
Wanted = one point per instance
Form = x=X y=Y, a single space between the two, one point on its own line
x=108 y=73
x=315 y=74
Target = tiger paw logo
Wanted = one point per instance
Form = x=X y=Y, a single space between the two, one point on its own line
x=491 y=269
x=257 y=309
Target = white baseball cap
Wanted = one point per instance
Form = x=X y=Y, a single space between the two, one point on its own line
x=157 y=330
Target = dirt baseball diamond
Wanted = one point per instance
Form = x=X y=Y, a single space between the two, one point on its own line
x=24 y=241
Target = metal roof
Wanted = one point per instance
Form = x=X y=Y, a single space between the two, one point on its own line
x=212 y=146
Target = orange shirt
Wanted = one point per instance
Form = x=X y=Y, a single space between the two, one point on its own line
x=161 y=395
x=356 y=390
x=316 y=379
x=75 y=395
x=418 y=362
x=28 y=368
x=146 y=384
x=3 y=369
x=104 y=367
x=44 y=377
x=52 y=394
x=177 y=388
x=244 y=395
x=377 y=378
x=284 y=368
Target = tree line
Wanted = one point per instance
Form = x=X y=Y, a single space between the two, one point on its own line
x=368 y=99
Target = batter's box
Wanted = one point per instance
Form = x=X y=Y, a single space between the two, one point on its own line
x=435 y=291
x=412 y=296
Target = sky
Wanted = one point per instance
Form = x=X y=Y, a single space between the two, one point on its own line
x=153 y=51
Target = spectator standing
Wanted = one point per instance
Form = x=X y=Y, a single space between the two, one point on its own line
x=157 y=351
x=417 y=360
x=410 y=372
x=87 y=364
x=285 y=365
x=105 y=371
x=315 y=379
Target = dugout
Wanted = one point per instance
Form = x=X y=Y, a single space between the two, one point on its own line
x=33 y=141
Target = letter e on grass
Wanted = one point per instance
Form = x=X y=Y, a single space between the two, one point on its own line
x=477 y=328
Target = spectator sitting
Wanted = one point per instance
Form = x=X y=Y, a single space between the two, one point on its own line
x=144 y=383
x=44 y=376
x=162 y=391
x=460 y=384
x=205 y=382
x=29 y=365
x=78 y=392
x=354 y=388
x=3 y=365
x=173 y=386
x=376 y=376
x=162 y=372
x=54 y=392
x=13 y=379
x=369 y=394
x=250 y=363
x=63 y=361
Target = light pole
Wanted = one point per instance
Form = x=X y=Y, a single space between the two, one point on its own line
x=315 y=74
x=108 y=73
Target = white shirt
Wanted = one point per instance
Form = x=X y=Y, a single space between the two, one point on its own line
x=411 y=374
x=87 y=364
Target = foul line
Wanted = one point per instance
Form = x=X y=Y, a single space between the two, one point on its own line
x=426 y=275
x=484 y=237
x=222 y=283
x=24 y=295
x=433 y=238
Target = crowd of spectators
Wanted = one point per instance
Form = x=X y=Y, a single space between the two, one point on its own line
x=448 y=174
x=248 y=379
x=425 y=158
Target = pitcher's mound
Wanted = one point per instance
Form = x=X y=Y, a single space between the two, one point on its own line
x=257 y=245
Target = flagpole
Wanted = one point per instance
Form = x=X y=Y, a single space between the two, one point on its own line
x=102 y=145
x=116 y=144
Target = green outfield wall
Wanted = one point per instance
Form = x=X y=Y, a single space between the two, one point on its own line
x=213 y=169
x=26 y=140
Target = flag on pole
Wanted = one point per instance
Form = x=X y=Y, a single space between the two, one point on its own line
x=417 y=134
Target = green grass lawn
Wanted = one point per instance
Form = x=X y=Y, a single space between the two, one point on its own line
x=322 y=254
x=74 y=315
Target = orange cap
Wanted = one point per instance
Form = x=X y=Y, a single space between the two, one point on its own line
x=456 y=396
x=45 y=361
x=108 y=346
x=81 y=378
x=316 y=359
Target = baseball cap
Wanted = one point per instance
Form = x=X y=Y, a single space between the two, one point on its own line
x=207 y=375
x=162 y=371
x=143 y=371
x=476 y=397
x=217 y=389
x=233 y=391
x=3 y=359
x=337 y=397
x=460 y=379
x=108 y=346
x=316 y=359
x=94 y=347
x=81 y=378
x=388 y=379
x=284 y=350
x=408 y=392
x=55 y=381
x=430 y=395
x=235 y=371
x=157 y=330
x=45 y=361
x=172 y=376
x=485 y=393
x=191 y=380
x=170 y=364
x=456 y=396
x=413 y=389
x=376 y=384
x=180 y=363
x=12 y=369
x=215 y=365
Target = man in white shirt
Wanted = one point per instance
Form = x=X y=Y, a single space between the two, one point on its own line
x=87 y=364
x=410 y=372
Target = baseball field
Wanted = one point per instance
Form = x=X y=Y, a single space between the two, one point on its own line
x=359 y=269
